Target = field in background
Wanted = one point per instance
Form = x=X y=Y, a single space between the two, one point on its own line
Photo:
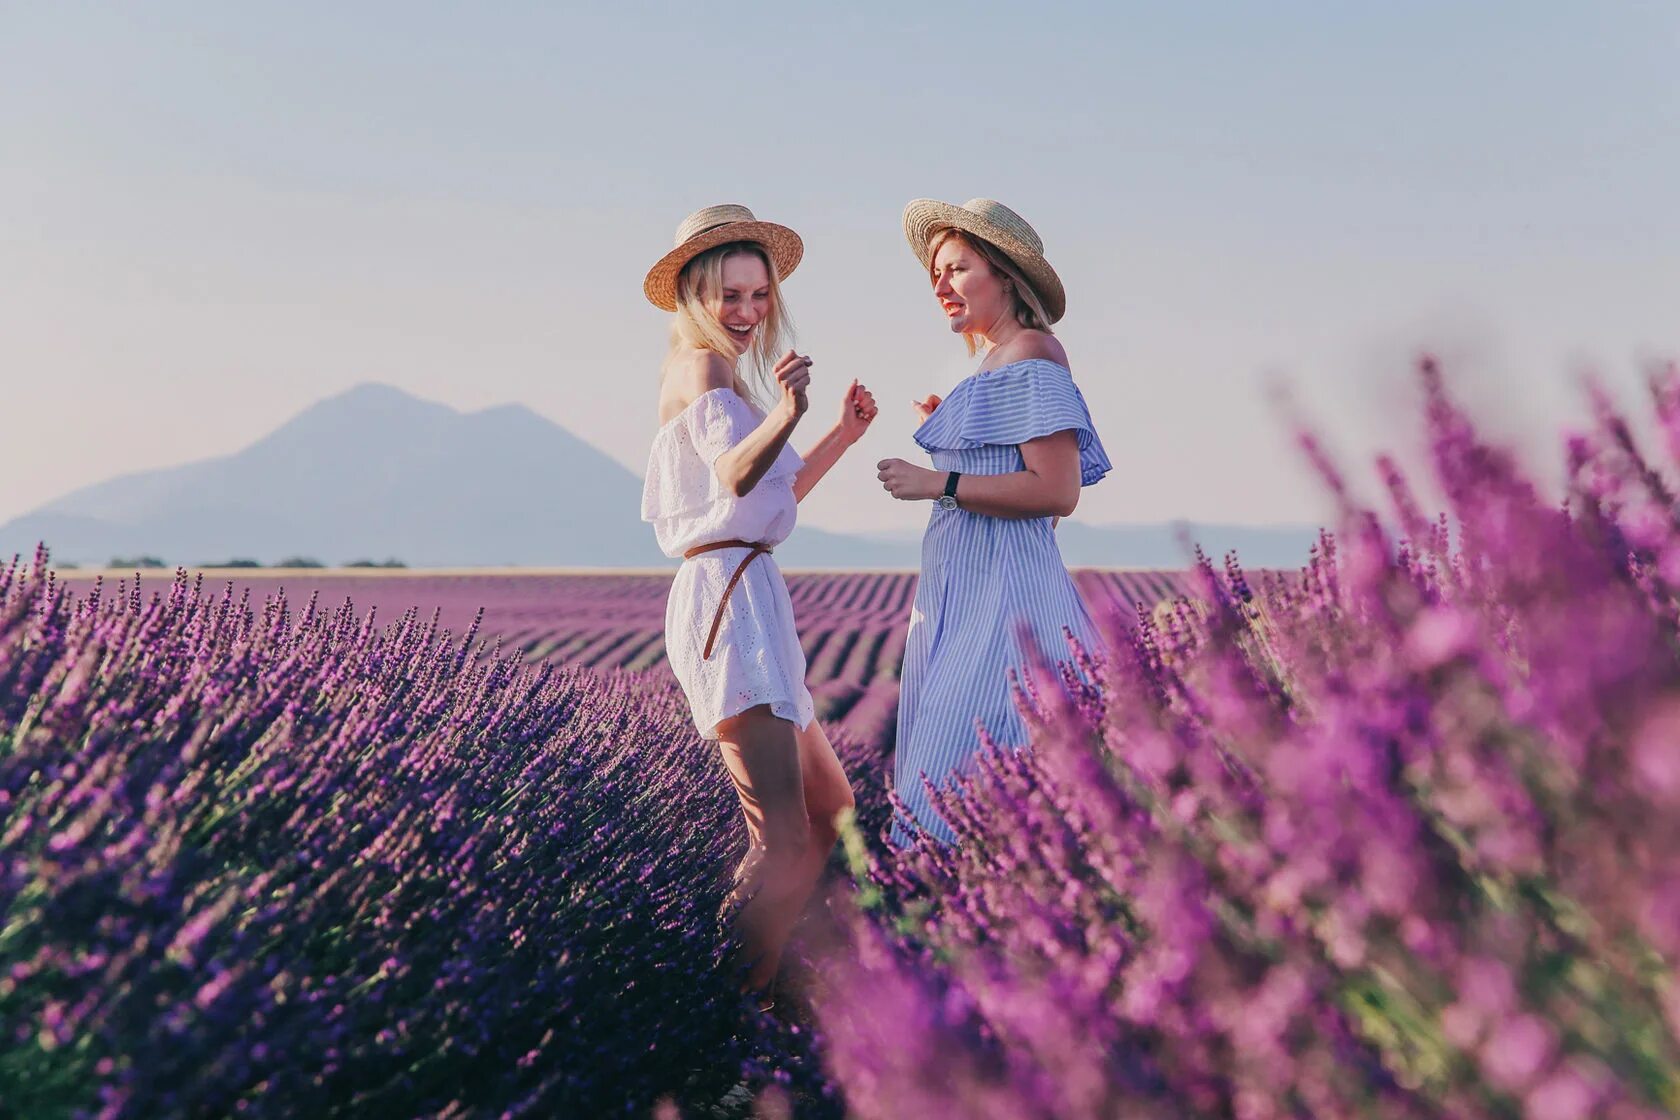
x=851 y=624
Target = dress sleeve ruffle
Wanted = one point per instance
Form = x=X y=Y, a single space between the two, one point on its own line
x=716 y=421
x=1013 y=404
x=713 y=423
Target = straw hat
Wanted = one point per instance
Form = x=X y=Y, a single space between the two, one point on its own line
x=709 y=228
x=993 y=222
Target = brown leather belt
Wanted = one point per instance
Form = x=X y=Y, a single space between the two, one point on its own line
x=717 y=619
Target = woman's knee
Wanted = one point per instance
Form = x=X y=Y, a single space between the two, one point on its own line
x=825 y=833
x=787 y=840
x=827 y=818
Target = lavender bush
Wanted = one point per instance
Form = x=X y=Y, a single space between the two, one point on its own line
x=1397 y=837
x=263 y=862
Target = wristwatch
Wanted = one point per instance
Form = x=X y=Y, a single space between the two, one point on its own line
x=948 y=500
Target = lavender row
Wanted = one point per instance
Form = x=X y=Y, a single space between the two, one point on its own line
x=616 y=620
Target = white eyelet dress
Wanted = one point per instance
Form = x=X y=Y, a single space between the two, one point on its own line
x=756 y=658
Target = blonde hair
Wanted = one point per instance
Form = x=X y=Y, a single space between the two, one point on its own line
x=699 y=322
x=1028 y=308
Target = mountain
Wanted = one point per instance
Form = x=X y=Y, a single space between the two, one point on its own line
x=371 y=473
x=375 y=473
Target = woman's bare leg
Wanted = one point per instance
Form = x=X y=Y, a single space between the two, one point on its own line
x=762 y=755
x=827 y=795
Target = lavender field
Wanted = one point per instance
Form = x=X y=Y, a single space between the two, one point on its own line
x=852 y=624
x=1395 y=835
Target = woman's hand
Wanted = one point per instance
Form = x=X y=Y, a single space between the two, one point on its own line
x=908 y=482
x=924 y=408
x=793 y=374
x=857 y=412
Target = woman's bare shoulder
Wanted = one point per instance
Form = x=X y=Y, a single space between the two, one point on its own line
x=689 y=375
x=1030 y=344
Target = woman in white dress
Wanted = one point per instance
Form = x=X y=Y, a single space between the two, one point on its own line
x=722 y=489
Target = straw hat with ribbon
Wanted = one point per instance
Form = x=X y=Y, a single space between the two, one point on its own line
x=994 y=222
x=709 y=228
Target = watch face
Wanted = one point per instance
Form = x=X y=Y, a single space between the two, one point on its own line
x=947 y=502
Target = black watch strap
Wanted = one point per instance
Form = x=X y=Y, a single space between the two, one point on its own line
x=951 y=484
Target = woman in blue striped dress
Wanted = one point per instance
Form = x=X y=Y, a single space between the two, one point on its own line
x=1012 y=444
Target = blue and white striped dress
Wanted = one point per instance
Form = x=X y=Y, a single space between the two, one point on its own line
x=984 y=576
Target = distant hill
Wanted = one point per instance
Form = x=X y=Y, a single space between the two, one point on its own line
x=375 y=473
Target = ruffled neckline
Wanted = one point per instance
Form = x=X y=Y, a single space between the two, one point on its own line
x=671 y=424
x=1012 y=404
x=979 y=376
x=982 y=375
x=680 y=482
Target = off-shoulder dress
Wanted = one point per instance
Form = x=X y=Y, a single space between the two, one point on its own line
x=983 y=578
x=756 y=658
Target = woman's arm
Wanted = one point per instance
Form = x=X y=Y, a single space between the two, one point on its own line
x=822 y=455
x=742 y=466
x=1047 y=487
x=856 y=413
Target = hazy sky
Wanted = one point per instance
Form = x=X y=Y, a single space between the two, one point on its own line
x=213 y=214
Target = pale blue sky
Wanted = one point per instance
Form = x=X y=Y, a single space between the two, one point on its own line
x=212 y=215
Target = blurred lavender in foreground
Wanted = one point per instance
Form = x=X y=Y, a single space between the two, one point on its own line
x=1398 y=836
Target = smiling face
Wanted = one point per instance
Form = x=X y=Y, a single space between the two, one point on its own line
x=745 y=299
x=728 y=302
x=972 y=294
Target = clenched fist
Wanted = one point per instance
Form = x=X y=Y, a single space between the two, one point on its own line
x=908 y=482
x=857 y=412
x=793 y=375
